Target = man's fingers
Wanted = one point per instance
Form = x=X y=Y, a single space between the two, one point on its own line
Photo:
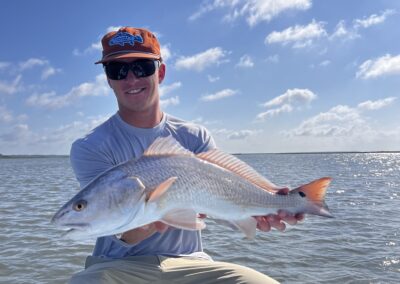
x=263 y=224
x=161 y=227
x=300 y=217
x=275 y=222
x=287 y=217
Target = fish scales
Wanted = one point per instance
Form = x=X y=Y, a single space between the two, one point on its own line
x=197 y=181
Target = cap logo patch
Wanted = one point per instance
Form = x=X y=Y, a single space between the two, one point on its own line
x=122 y=38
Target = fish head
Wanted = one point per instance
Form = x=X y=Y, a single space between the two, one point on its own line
x=104 y=207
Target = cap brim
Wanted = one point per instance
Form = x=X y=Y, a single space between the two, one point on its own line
x=129 y=55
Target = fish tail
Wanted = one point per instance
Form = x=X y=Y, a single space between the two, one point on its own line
x=315 y=193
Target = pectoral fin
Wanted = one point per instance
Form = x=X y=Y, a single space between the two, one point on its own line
x=185 y=219
x=160 y=189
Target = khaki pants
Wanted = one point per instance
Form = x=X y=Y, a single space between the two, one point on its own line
x=160 y=270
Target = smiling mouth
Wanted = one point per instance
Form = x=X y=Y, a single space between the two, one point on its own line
x=135 y=91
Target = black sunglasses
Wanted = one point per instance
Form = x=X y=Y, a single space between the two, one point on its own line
x=116 y=70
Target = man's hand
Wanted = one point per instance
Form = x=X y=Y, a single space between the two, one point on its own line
x=139 y=234
x=265 y=223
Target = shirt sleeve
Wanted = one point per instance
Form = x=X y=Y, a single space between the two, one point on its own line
x=87 y=162
x=207 y=141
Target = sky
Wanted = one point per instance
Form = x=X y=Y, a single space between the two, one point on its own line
x=264 y=76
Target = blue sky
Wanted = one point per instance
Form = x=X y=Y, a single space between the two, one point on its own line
x=262 y=76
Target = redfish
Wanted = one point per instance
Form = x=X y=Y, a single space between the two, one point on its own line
x=171 y=184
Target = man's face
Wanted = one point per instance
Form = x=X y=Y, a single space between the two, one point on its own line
x=138 y=94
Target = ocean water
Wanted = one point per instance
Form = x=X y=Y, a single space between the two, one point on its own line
x=360 y=245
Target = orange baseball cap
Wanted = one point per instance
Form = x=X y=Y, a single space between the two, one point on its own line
x=130 y=42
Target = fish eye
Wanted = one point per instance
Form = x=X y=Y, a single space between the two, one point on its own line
x=302 y=194
x=80 y=205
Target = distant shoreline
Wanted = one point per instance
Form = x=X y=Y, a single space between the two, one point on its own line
x=282 y=153
x=31 y=156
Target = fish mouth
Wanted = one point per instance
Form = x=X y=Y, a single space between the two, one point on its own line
x=74 y=230
x=74 y=226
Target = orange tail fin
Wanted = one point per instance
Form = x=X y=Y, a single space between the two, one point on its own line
x=315 y=193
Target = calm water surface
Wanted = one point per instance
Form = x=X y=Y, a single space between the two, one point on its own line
x=361 y=245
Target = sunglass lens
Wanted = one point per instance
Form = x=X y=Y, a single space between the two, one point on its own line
x=117 y=70
x=143 y=68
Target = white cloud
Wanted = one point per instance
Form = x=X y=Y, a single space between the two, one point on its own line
x=235 y=134
x=49 y=71
x=165 y=52
x=212 y=5
x=173 y=101
x=5 y=115
x=378 y=104
x=273 y=58
x=245 y=62
x=241 y=134
x=166 y=89
x=342 y=121
x=287 y=102
x=99 y=87
x=51 y=100
x=212 y=79
x=374 y=19
x=344 y=33
x=299 y=36
x=385 y=65
x=113 y=28
x=199 y=62
x=34 y=62
x=25 y=140
x=254 y=11
x=4 y=65
x=48 y=100
x=200 y=120
x=257 y=11
x=325 y=63
x=19 y=132
x=273 y=112
x=11 y=88
x=350 y=33
x=338 y=121
x=219 y=95
x=94 y=47
x=292 y=96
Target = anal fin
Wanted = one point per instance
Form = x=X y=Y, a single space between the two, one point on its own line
x=248 y=226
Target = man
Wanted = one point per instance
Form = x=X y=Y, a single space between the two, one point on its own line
x=155 y=253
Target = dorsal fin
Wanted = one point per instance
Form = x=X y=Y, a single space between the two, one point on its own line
x=238 y=167
x=166 y=146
